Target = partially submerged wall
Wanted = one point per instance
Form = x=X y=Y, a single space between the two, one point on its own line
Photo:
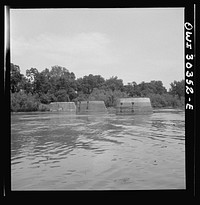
x=91 y=107
x=63 y=107
x=130 y=106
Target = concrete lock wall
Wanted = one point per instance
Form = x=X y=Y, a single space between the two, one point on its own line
x=63 y=106
x=130 y=106
x=91 y=107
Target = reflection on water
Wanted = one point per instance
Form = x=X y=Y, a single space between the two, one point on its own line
x=58 y=151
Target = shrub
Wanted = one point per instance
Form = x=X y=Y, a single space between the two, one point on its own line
x=23 y=102
x=45 y=99
x=166 y=100
x=157 y=101
x=62 y=96
x=43 y=107
x=108 y=96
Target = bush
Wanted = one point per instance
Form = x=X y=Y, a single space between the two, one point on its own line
x=166 y=100
x=81 y=97
x=108 y=96
x=45 y=99
x=43 y=107
x=62 y=96
x=23 y=102
x=158 y=101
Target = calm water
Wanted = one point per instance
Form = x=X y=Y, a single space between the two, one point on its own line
x=60 y=152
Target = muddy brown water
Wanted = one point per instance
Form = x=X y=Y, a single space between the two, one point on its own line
x=56 y=151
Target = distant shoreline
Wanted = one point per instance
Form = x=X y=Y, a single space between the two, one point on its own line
x=111 y=110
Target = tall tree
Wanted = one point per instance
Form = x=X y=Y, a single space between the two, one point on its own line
x=177 y=88
x=88 y=83
x=158 y=87
x=114 y=83
x=58 y=71
x=15 y=78
x=153 y=87
x=130 y=89
x=32 y=75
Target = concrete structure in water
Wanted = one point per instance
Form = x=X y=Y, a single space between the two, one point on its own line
x=91 y=107
x=63 y=107
x=131 y=106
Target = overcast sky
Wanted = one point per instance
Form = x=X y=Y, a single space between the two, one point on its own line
x=133 y=44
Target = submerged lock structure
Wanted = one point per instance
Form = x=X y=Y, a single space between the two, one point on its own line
x=132 y=106
x=63 y=107
x=91 y=107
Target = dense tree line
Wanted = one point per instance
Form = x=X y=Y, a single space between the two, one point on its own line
x=36 y=90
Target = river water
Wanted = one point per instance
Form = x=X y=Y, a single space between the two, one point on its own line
x=56 y=151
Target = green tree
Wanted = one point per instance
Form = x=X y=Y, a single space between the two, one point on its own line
x=80 y=96
x=88 y=83
x=146 y=88
x=98 y=94
x=61 y=79
x=158 y=87
x=52 y=85
x=58 y=71
x=157 y=100
x=21 y=101
x=130 y=89
x=32 y=74
x=108 y=96
x=62 y=96
x=178 y=88
x=32 y=79
x=15 y=78
x=114 y=83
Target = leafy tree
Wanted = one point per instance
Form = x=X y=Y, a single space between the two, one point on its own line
x=98 y=94
x=58 y=71
x=80 y=97
x=61 y=79
x=46 y=98
x=21 y=101
x=88 y=83
x=108 y=96
x=114 y=83
x=155 y=87
x=32 y=78
x=32 y=74
x=71 y=93
x=62 y=96
x=58 y=84
x=178 y=88
x=15 y=78
x=145 y=89
x=54 y=85
x=158 y=87
x=27 y=86
x=157 y=100
x=130 y=89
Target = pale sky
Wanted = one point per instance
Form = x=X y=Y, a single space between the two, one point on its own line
x=134 y=44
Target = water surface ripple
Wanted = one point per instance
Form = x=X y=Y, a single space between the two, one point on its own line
x=52 y=151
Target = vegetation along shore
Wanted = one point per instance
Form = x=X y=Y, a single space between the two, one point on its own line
x=36 y=90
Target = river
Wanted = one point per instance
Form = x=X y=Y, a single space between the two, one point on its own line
x=56 y=151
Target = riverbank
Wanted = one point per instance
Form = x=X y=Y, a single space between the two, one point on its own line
x=111 y=110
